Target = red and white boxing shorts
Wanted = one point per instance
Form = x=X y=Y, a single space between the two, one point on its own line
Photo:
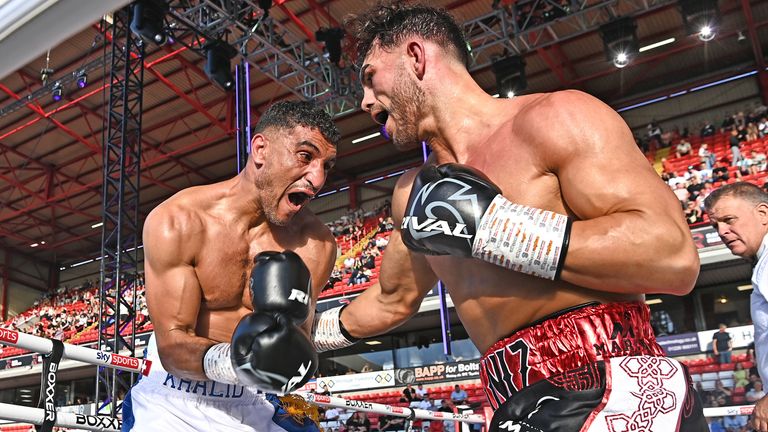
x=594 y=367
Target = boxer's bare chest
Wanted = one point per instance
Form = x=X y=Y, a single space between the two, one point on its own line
x=224 y=265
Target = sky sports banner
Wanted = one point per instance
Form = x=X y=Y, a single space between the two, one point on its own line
x=32 y=359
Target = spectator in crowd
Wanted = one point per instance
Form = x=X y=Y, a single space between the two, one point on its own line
x=654 y=134
x=324 y=389
x=358 y=422
x=715 y=425
x=752 y=132
x=722 y=392
x=735 y=145
x=381 y=243
x=739 y=376
x=349 y=263
x=735 y=423
x=366 y=368
x=426 y=404
x=421 y=392
x=762 y=127
x=755 y=393
x=707 y=129
x=720 y=172
x=722 y=345
x=707 y=157
x=409 y=394
x=332 y=414
x=759 y=161
x=729 y=123
x=458 y=395
x=336 y=276
x=391 y=423
x=693 y=213
x=682 y=194
x=683 y=148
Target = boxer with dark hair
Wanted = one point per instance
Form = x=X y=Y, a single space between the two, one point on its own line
x=547 y=226
x=231 y=315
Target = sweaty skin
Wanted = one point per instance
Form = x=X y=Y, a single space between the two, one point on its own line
x=566 y=152
x=199 y=246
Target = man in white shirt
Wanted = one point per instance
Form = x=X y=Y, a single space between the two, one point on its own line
x=739 y=213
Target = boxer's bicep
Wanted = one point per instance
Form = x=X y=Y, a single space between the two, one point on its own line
x=173 y=294
x=629 y=235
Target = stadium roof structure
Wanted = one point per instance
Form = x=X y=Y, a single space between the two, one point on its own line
x=50 y=151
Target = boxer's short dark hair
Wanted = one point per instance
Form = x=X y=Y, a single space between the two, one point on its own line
x=389 y=22
x=742 y=190
x=290 y=114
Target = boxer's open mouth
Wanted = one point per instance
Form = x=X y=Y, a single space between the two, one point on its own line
x=381 y=117
x=299 y=198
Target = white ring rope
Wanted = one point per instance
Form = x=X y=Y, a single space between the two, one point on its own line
x=26 y=414
x=377 y=408
x=74 y=352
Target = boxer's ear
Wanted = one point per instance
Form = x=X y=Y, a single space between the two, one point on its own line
x=258 y=146
x=417 y=57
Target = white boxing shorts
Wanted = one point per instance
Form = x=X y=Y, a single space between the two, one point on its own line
x=162 y=401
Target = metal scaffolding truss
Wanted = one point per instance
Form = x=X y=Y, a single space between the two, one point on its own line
x=513 y=30
x=268 y=46
x=120 y=230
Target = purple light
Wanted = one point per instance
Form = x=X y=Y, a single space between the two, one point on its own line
x=56 y=97
x=81 y=83
x=383 y=131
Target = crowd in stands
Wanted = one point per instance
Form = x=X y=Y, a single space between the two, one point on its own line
x=695 y=165
x=71 y=315
x=445 y=399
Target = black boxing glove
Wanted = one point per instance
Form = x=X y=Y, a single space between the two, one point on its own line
x=268 y=349
x=455 y=210
x=280 y=282
x=269 y=352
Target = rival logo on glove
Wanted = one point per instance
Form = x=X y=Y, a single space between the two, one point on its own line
x=295 y=380
x=299 y=296
x=463 y=193
x=412 y=222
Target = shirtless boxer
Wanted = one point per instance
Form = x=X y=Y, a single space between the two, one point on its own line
x=547 y=226
x=214 y=286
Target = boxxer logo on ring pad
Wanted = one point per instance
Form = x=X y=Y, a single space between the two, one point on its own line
x=441 y=213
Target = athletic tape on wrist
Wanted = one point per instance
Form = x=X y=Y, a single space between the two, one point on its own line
x=521 y=238
x=217 y=364
x=328 y=332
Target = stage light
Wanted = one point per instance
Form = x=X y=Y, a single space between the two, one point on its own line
x=82 y=79
x=56 y=92
x=217 y=65
x=620 y=41
x=510 y=75
x=332 y=38
x=700 y=17
x=148 y=20
x=621 y=60
x=707 y=33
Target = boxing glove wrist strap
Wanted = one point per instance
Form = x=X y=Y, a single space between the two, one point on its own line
x=218 y=366
x=328 y=332
x=524 y=239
